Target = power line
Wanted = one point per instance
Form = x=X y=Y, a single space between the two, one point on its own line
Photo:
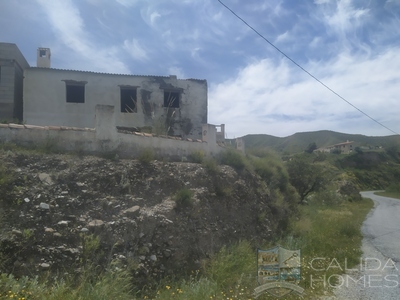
x=311 y=75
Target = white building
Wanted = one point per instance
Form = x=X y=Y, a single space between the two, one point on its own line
x=68 y=98
x=46 y=96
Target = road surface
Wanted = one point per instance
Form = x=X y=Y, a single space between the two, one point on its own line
x=378 y=276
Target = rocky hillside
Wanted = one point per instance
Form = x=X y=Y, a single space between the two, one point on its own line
x=58 y=212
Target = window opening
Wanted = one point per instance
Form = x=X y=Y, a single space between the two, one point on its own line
x=75 y=91
x=42 y=53
x=128 y=100
x=171 y=99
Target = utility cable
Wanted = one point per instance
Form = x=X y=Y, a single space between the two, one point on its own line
x=311 y=75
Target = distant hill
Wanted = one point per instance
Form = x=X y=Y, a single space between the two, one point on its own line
x=298 y=142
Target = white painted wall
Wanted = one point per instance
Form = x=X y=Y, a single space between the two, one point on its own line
x=45 y=100
x=104 y=139
x=86 y=141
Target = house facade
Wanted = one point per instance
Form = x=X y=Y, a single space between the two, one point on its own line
x=12 y=66
x=45 y=96
x=161 y=105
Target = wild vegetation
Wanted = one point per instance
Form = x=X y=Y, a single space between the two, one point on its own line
x=325 y=214
x=328 y=227
x=392 y=191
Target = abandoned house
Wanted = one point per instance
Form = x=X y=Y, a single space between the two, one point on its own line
x=55 y=97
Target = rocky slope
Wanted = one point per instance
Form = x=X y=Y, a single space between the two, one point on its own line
x=58 y=212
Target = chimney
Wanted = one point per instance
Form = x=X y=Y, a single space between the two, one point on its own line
x=43 y=58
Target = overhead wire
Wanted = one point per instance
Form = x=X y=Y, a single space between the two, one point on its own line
x=303 y=69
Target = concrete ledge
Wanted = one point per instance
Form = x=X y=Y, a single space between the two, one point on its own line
x=71 y=128
x=34 y=127
x=3 y=125
x=11 y=125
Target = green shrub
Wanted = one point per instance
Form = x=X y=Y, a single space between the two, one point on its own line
x=7 y=179
x=211 y=165
x=327 y=197
x=92 y=286
x=271 y=169
x=221 y=191
x=111 y=155
x=233 y=158
x=197 y=157
x=350 y=191
x=230 y=264
x=146 y=156
x=9 y=147
x=183 y=198
x=393 y=188
x=90 y=247
x=193 y=288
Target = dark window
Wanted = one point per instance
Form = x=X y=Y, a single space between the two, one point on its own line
x=128 y=100
x=75 y=93
x=42 y=53
x=171 y=99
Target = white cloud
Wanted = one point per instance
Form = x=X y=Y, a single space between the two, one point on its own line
x=180 y=74
x=69 y=28
x=321 y=1
x=135 y=50
x=284 y=37
x=153 y=17
x=345 y=17
x=65 y=19
x=128 y=3
x=276 y=99
x=316 y=42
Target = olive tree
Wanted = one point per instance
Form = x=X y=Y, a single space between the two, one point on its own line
x=305 y=176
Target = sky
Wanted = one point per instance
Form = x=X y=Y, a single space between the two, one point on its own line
x=351 y=46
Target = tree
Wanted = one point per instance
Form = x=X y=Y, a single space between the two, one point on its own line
x=358 y=150
x=311 y=147
x=305 y=176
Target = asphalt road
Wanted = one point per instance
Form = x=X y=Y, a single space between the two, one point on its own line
x=382 y=226
x=378 y=276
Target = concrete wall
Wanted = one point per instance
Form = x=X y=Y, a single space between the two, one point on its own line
x=12 y=64
x=45 y=100
x=104 y=139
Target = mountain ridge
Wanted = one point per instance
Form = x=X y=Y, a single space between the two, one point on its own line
x=299 y=141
